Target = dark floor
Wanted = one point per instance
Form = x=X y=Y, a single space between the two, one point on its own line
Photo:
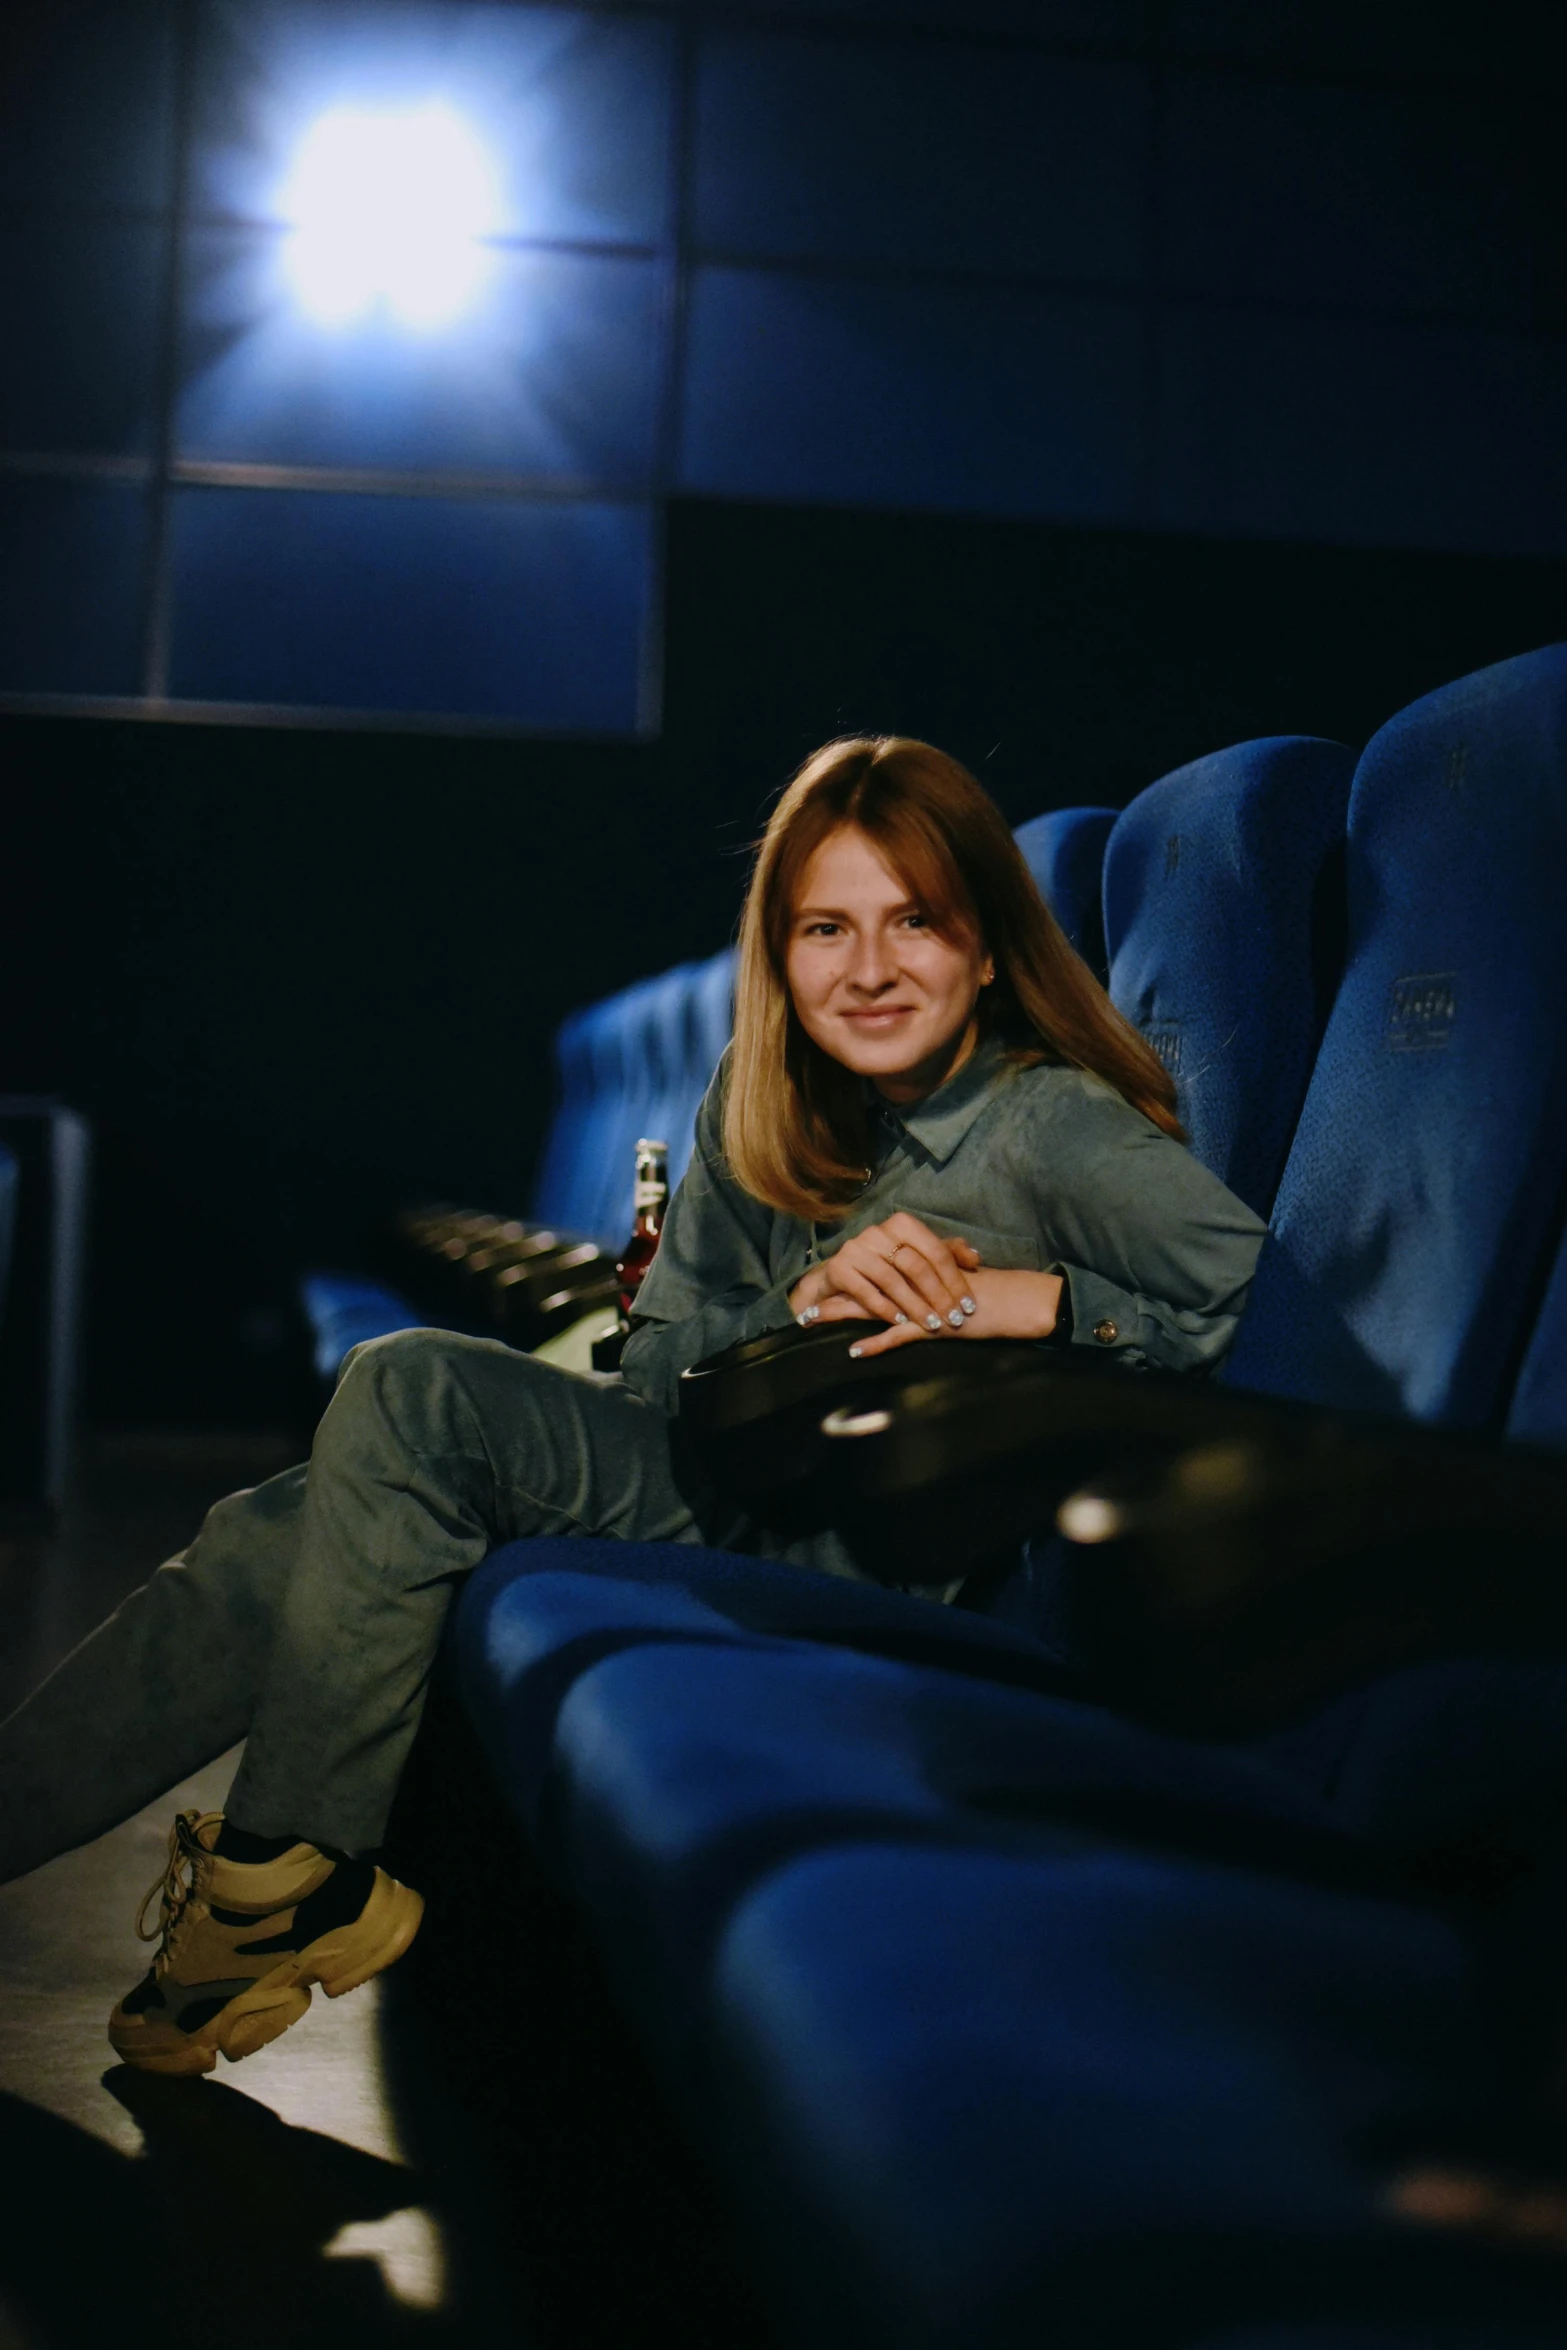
x=404 y=2165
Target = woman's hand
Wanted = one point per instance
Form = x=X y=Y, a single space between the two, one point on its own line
x=1006 y=1305
x=899 y=1272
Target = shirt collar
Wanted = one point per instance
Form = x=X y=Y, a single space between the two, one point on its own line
x=939 y=1122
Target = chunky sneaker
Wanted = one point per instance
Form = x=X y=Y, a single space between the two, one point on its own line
x=241 y=1942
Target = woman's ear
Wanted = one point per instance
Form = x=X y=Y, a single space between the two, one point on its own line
x=987 y=976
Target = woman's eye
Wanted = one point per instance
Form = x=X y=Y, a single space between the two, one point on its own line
x=917 y=921
x=821 y=930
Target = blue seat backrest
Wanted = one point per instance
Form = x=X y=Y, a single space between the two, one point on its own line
x=1224 y=920
x=591 y=1060
x=708 y=1025
x=1412 y=1223
x=1065 y=852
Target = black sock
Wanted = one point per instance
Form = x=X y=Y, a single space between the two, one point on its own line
x=239 y=1844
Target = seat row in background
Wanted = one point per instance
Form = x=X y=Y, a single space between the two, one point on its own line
x=1004 y=2017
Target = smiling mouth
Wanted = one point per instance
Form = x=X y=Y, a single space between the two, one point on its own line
x=881 y=1014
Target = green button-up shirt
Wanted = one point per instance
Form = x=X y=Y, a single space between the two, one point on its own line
x=1044 y=1169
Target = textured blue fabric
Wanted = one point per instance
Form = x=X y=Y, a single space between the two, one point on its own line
x=701 y=1018
x=1409 y=1229
x=591 y=1056
x=538 y=1612
x=1224 y=922
x=652 y=1051
x=1435 y=1754
x=1065 y=852
x=1008 y=2019
x=343 y=1312
x=996 y=2098
x=695 y=1715
x=635 y=1064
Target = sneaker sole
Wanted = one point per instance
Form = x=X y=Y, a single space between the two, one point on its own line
x=338 y=1962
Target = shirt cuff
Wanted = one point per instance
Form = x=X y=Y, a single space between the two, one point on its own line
x=1099 y=1315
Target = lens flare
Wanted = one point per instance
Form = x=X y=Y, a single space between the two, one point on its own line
x=388 y=211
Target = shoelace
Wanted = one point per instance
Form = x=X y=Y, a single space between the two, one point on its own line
x=174 y=1886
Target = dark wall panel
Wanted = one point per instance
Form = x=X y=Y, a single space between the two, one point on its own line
x=1379 y=200
x=817 y=148
x=1516 y=41
x=71 y=613
x=976 y=399
x=1363 y=431
x=86 y=104
x=79 y=350
x=1102 y=23
x=496 y=606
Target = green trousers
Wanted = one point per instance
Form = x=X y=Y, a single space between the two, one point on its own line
x=306 y=1615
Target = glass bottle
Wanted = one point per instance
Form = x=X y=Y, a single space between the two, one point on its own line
x=650 y=1197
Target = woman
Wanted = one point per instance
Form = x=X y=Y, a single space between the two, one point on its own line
x=930 y=1116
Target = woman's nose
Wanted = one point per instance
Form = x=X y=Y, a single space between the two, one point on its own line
x=871 y=966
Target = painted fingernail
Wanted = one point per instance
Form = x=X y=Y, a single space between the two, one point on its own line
x=933 y=1321
x=956 y=1318
x=900 y=1317
x=968 y=1305
x=854 y=1353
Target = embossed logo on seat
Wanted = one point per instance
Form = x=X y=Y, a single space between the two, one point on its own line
x=1165 y=1038
x=1421 y=1013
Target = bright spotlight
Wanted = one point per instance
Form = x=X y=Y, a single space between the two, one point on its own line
x=388 y=210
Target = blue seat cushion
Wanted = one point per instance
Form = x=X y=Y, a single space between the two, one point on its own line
x=345 y=1311
x=1082 y=2096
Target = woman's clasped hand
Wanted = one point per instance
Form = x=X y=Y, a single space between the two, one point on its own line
x=922 y=1286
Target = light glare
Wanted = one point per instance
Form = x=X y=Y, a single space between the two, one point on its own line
x=1090 y=1517
x=387 y=211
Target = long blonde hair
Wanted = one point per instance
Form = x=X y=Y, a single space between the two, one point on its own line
x=795 y=1132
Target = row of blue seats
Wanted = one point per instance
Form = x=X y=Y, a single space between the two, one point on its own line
x=1276 y=917
x=1005 y=2017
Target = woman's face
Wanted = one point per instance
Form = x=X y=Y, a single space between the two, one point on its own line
x=873 y=984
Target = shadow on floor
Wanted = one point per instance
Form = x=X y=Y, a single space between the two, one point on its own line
x=228 y=2210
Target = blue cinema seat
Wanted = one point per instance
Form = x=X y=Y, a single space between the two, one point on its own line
x=1009 y=2020
x=1065 y=851
x=1224 y=923
x=973 y=1990
x=1403 y=1269
x=344 y=1311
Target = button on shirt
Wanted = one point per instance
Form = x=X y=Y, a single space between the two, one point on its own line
x=1044 y=1169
